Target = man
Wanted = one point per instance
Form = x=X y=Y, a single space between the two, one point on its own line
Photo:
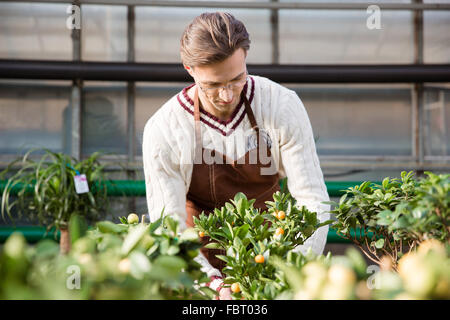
x=228 y=132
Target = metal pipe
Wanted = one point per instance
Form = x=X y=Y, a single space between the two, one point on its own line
x=255 y=4
x=76 y=100
x=131 y=98
x=419 y=125
x=174 y=72
x=275 y=35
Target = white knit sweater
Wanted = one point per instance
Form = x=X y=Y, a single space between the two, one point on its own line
x=168 y=151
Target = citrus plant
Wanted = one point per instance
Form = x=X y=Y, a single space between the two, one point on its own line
x=424 y=273
x=250 y=237
x=320 y=277
x=114 y=261
x=46 y=191
x=390 y=219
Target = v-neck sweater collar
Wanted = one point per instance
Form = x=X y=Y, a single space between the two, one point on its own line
x=225 y=127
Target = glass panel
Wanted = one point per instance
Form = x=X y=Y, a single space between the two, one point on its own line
x=149 y=98
x=34 y=31
x=359 y=120
x=104 y=33
x=359 y=175
x=437 y=122
x=104 y=118
x=436 y=36
x=342 y=36
x=32 y=115
x=159 y=41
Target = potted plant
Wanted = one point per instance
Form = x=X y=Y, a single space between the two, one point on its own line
x=45 y=191
x=251 y=238
x=388 y=220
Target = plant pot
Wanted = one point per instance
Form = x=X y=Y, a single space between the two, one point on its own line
x=64 y=241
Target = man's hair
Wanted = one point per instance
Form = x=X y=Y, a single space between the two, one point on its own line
x=211 y=38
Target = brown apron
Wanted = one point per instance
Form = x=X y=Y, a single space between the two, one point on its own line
x=214 y=184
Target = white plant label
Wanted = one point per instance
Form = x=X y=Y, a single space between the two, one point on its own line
x=81 y=185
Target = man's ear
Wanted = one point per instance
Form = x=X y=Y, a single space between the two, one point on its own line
x=189 y=70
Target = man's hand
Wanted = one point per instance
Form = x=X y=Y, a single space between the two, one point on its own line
x=225 y=294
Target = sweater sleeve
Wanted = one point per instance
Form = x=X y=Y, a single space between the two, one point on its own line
x=299 y=160
x=165 y=184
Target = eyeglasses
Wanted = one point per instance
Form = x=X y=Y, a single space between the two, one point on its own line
x=236 y=84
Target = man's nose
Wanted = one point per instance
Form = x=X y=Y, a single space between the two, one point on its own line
x=226 y=94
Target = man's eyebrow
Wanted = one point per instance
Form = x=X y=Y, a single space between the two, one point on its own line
x=235 y=78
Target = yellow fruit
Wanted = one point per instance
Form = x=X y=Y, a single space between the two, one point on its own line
x=406 y=263
x=132 y=218
x=281 y=215
x=442 y=289
x=315 y=277
x=432 y=245
x=386 y=280
x=201 y=234
x=341 y=275
x=279 y=231
x=124 y=265
x=235 y=287
x=84 y=258
x=259 y=258
x=336 y=292
x=405 y=296
x=302 y=295
x=386 y=263
x=418 y=277
x=362 y=291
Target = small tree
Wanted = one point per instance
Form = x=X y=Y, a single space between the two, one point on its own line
x=393 y=218
x=45 y=191
x=251 y=237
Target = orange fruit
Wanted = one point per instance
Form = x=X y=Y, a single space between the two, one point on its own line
x=201 y=234
x=259 y=258
x=279 y=231
x=235 y=287
x=281 y=215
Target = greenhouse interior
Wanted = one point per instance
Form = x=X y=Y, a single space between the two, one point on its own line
x=100 y=102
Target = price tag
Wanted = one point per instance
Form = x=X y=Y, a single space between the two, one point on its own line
x=81 y=185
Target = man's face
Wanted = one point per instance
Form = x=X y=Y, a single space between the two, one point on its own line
x=221 y=83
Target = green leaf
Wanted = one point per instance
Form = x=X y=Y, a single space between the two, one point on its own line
x=213 y=245
x=400 y=223
x=110 y=227
x=379 y=243
x=189 y=235
x=171 y=224
x=140 y=265
x=243 y=230
x=173 y=250
x=77 y=227
x=132 y=239
x=173 y=263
